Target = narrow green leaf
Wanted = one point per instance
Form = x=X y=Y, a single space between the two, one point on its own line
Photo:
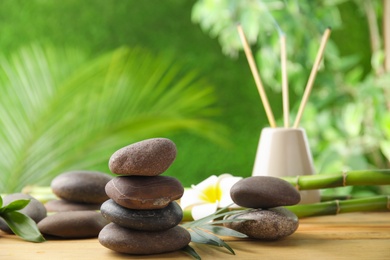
x=214 y=240
x=23 y=226
x=1 y=201
x=197 y=238
x=15 y=205
x=189 y=250
x=210 y=218
x=217 y=222
x=223 y=231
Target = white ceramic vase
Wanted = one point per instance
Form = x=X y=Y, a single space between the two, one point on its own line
x=285 y=152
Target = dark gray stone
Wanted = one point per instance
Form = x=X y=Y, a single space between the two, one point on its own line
x=271 y=224
x=72 y=224
x=64 y=205
x=137 y=242
x=151 y=220
x=264 y=192
x=149 y=157
x=34 y=209
x=143 y=192
x=81 y=186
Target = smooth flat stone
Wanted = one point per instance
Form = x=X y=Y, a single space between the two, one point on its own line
x=64 y=205
x=141 y=192
x=264 y=192
x=151 y=220
x=34 y=209
x=137 y=242
x=81 y=186
x=270 y=224
x=149 y=157
x=73 y=224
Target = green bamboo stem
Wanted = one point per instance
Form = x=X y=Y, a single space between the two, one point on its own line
x=307 y=182
x=41 y=193
x=376 y=203
x=346 y=178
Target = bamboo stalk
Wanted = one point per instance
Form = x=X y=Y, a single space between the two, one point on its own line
x=256 y=77
x=346 y=178
x=377 y=203
x=304 y=182
x=41 y=193
x=312 y=76
x=283 y=58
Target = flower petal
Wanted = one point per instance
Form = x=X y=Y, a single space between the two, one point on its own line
x=226 y=181
x=204 y=210
x=196 y=195
x=190 y=198
x=210 y=181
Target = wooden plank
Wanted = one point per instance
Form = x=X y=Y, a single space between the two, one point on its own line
x=346 y=236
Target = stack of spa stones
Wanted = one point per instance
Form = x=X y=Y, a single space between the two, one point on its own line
x=142 y=209
x=265 y=197
x=80 y=195
x=78 y=190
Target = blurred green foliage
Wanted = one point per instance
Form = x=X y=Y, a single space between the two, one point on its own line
x=345 y=119
x=61 y=110
x=95 y=27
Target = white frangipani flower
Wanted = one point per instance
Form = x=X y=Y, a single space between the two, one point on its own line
x=209 y=195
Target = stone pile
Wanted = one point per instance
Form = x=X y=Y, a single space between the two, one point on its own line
x=80 y=193
x=265 y=196
x=78 y=190
x=142 y=209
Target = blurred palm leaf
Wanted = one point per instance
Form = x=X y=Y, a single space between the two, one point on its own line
x=61 y=111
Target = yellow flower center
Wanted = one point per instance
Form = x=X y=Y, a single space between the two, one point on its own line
x=212 y=194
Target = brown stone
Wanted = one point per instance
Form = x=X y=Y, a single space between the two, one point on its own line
x=137 y=242
x=64 y=205
x=149 y=157
x=264 y=192
x=149 y=220
x=142 y=192
x=81 y=186
x=73 y=224
x=268 y=224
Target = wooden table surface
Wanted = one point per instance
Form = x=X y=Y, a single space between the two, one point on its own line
x=346 y=236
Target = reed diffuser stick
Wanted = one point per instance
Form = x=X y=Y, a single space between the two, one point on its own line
x=312 y=76
x=283 y=56
x=256 y=77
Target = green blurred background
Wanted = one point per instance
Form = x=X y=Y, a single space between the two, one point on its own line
x=174 y=29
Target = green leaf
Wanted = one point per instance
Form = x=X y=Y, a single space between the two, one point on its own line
x=15 y=205
x=1 y=202
x=23 y=226
x=218 y=214
x=217 y=222
x=189 y=250
x=213 y=240
x=197 y=238
x=223 y=231
x=97 y=104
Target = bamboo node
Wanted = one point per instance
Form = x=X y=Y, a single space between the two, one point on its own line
x=297 y=182
x=337 y=207
x=345 y=178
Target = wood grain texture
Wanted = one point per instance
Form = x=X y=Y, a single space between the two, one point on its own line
x=345 y=236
